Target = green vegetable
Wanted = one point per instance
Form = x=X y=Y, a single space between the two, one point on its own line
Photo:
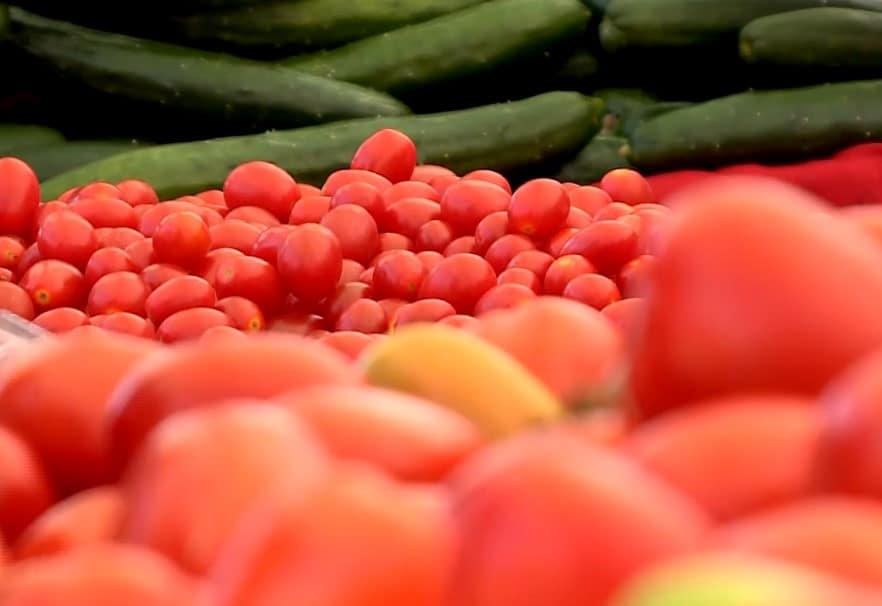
x=55 y=158
x=602 y=154
x=17 y=137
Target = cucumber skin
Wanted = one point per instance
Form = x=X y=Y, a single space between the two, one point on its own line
x=602 y=154
x=225 y=87
x=55 y=158
x=505 y=136
x=840 y=37
x=16 y=137
x=759 y=126
x=469 y=42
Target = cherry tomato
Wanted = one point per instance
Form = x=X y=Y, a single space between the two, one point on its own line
x=628 y=186
x=613 y=211
x=522 y=276
x=407 y=215
x=442 y=183
x=434 y=235
x=555 y=244
x=11 y=250
x=154 y=215
x=52 y=283
x=348 y=342
x=234 y=234
x=159 y=273
x=344 y=296
x=339 y=178
x=460 y=321
x=6 y=275
x=267 y=244
x=536 y=261
x=364 y=195
x=30 y=256
x=463 y=244
x=141 y=252
x=356 y=231
x=607 y=244
x=466 y=203
x=409 y=189
x=634 y=277
x=213 y=259
x=363 y=315
x=98 y=189
x=189 y=324
x=253 y=214
x=310 y=262
x=393 y=241
x=593 y=290
x=538 y=208
x=430 y=258
x=461 y=279
x=490 y=229
x=244 y=313
x=218 y=334
x=177 y=294
x=387 y=152
x=262 y=184
x=62 y=319
x=295 y=322
x=15 y=299
x=126 y=323
x=44 y=211
x=107 y=260
x=589 y=198
x=19 y=197
x=308 y=190
x=252 y=278
x=425 y=310
x=117 y=237
x=578 y=218
x=118 y=291
x=490 y=176
x=563 y=270
x=352 y=270
x=27 y=493
x=68 y=237
x=398 y=275
x=503 y=250
x=105 y=212
x=503 y=296
x=390 y=306
x=426 y=172
x=137 y=192
x=182 y=239
x=626 y=315
x=309 y=210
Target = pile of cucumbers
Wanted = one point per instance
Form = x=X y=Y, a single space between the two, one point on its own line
x=180 y=91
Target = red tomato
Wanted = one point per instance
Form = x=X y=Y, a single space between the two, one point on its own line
x=490 y=229
x=344 y=296
x=105 y=212
x=627 y=316
x=253 y=214
x=262 y=184
x=555 y=244
x=462 y=245
x=98 y=189
x=62 y=319
x=356 y=231
x=460 y=321
x=252 y=278
x=351 y=271
x=398 y=275
x=407 y=215
x=234 y=234
x=26 y=492
x=151 y=219
x=425 y=310
x=536 y=261
x=189 y=324
x=11 y=250
x=363 y=315
x=430 y=258
x=126 y=323
x=628 y=186
x=118 y=291
x=350 y=343
x=117 y=237
x=160 y=273
x=538 y=208
x=44 y=211
x=593 y=290
x=107 y=260
x=339 y=178
x=410 y=189
x=635 y=277
x=267 y=245
x=177 y=294
x=441 y=183
x=52 y=283
x=563 y=270
x=467 y=202
x=296 y=322
x=310 y=262
x=460 y=279
x=578 y=218
x=608 y=245
x=137 y=192
x=68 y=237
x=244 y=313
x=218 y=334
x=391 y=306
x=490 y=176
x=19 y=197
x=434 y=235
x=522 y=276
x=364 y=195
x=588 y=198
x=182 y=239
x=426 y=172
x=6 y=275
x=308 y=190
x=213 y=259
x=387 y=152
x=16 y=299
x=141 y=252
x=503 y=250
x=503 y=296
x=393 y=241
x=30 y=256
x=613 y=211
x=309 y=210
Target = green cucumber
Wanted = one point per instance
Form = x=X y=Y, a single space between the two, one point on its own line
x=472 y=42
x=602 y=154
x=56 y=158
x=311 y=24
x=677 y=23
x=16 y=137
x=626 y=108
x=504 y=137
x=213 y=85
x=757 y=126
x=840 y=38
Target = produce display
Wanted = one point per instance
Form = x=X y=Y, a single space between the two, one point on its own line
x=441 y=303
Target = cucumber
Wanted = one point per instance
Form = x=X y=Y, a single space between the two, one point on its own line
x=626 y=108
x=471 y=42
x=602 y=154
x=505 y=137
x=673 y=23
x=16 y=137
x=311 y=24
x=55 y=158
x=760 y=126
x=840 y=38
x=219 y=86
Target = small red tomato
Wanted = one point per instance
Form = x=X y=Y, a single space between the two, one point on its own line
x=30 y=256
x=409 y=189
x=118 y=291
x=363 y=315
x=393 y=241
x=635 y=276
x=11 y=250
x=430 y=258
x=213 y=259
x=182 y=239
x=364 y=195
x=142 y=252
x=460 y=279
x=442 y=183
x=425 y=310
x=490 y=229
x=555 y=244
x=344 y=296
x=387 y=152
x=107 y=260
x=589 y=198
x=356 y=230
x=501 y=252
x=190 y=324
x=15 y=299
x=352 y=270
x=613 y=211
x=578 y=218
x=466 y=203
x=309 y=210
x=62 y=319
x=99 y=189
x=267 y=244
x=244 y=313
x=19 y=197
x=434 y=235
x=262 y=184
x=398 y=275
x=218 y=334
x=234 y=234
x=490 y=176
x=391 y=306
x=154 y=215
x=350 y=343
x=117 y=237
x=137 y=192
x=628 y=186
x=66 y=236
x=538 y=208
x=105 y=212
x=407 y=215
x=426 y=172
x=6 y=275
x=308 y=190
x=536 y=261
x=125 y=323
x=178 y=294
x=593 y=290
x=253 y=214
x=563 y=270
x=460 y=321
x=522 y=276
x=52 y=283
x=252 y=278
x=503 y=296
x=463 y=244
x=159 y=273
x=310 y=262
x=339 y=178
x=295 y=322
x=607 y=244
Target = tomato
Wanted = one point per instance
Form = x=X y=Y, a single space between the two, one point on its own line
x=363 y=315
x=19 y=197
x=62 y=319
x=105 y=212
x=398 y=275
x=490 y=176
x=503 y=250
x=490 y=229
x=160 y=273
x=628 y=186
x=181 y=238
x=213 y=259
x=538 y=208
x=297 y=322
x=612 y=211
x=442 y=183
x=309 y=210
x=252 y=278
x=177 y=294
x=68 y=237
x=578 y=218
x=430 y=258
x=536 y=261
x=393 y=241
x=52 y=283
x=234 y=234
x=434 y=235
x=460 y=321
x=217 y=334
x=635 y=277
x=522 y=276
x=562 y=270
x=503 y=296
x=261 y=184
x=460 y=279
x=116 y=237
x=16 y=299
x=28 y=258
x=6 y=275
x=387 y=152
x=349 y=343
x=244 y=313
x=424 y=310
x=189 y=324
x=253 y=214
x=23 y=484
x=137 y=192
x=608 y=245
x=118 y=291
x=356 y=231
x=310 y=262
x=266 y=246
x=126 y=323
x=409 y=189
x=351 y=271
x=426 y=172
x=151 y=219
x=142 y=252
x=391 y=306
x=308 y=190
x=593 y=290
x=342 y=298
x=466 y=203
x=11 y=250
x=339 y=178
x=462 y=245
x=626 y=315
x=107 y=260
x=589 y=198
x=98 y=189
x=407 y=215
x=364 y=195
